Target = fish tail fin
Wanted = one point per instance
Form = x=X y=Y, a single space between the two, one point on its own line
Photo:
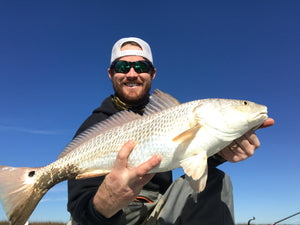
x=19 y=193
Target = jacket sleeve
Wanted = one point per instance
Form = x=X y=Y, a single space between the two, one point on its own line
x=80 y=204
x=215 y=161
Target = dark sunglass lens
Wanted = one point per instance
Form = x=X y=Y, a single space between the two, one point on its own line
x=122 y=67
x=142 y=67
x=139 y=66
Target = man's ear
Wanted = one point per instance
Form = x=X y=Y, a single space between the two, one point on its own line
x=153 y=74
x=109 y=73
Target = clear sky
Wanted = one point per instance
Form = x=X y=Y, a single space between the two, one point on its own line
x=54 y=57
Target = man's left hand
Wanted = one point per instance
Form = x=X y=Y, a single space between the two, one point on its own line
x=243 y=147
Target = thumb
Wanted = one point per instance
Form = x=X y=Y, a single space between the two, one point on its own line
x=269 y=122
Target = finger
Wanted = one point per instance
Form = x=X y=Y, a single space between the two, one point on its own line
x=145 y=167
x=241 y=148
x=123 y=154
x=228 y=154
x=253 y=139
x=235 y=152
x=269 y=122
x=248 y=144
x=236 y=148
x=246 y=149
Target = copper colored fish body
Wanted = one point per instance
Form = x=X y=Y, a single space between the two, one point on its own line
x=183 y=134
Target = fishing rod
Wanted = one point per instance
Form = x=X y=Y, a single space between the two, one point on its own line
x=276 y=221
x=249 y=221
x=285 y=218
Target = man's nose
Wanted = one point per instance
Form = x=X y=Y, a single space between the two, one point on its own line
x=132 y=73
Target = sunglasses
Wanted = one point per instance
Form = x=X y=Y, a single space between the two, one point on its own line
x=138 y=66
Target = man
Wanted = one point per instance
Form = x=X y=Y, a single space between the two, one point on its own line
x=131 y=196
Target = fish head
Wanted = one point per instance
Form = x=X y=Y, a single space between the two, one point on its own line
x=228 y=118
x=255 y=114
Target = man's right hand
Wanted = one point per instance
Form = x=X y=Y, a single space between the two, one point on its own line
x=122 y=185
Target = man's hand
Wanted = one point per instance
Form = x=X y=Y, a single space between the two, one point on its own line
x=122 y=185
x=243 y=147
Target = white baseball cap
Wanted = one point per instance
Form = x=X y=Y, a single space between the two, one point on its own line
x=117 y=53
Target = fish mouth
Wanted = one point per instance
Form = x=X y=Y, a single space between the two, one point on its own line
x=260 y=118
x=263 y=113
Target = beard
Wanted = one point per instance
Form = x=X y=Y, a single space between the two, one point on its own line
x=132 y=96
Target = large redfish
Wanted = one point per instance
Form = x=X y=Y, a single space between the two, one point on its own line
x=183 y=134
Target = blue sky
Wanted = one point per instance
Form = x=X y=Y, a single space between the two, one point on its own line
x=53 y=61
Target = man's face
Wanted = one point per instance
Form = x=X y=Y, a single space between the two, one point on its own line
x=131 y=87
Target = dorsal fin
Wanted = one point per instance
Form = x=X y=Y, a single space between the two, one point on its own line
x=115 y=120
x=160 y=101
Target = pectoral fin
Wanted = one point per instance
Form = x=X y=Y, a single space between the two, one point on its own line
x=93 y=173
x=195 y=168
x=198 y=185
x=187 y=135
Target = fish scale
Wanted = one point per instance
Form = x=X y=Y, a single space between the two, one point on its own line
x=153 y=136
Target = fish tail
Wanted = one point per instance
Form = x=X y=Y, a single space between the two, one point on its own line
x=19 y=192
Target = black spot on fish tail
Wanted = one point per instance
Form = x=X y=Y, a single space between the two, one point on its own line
x=31 y=173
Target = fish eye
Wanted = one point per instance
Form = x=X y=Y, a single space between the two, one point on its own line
x=31 y=173
x=245 y=102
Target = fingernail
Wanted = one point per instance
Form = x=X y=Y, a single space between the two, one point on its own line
x=132 y=142
x=158 y=158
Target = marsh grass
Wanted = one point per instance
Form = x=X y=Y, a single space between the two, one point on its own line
x=36 y=223
x=57 y=223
